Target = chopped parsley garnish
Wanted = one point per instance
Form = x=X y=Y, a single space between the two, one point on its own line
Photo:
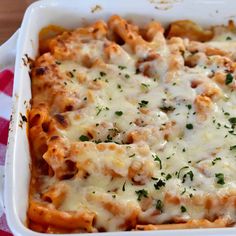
x=119 y=113
x=145 y=85
x=143 y=103
x=232 y=120
x=231 y=132
x=229 y=79
x=178 y=173
x=226 y=114
x=132 y=155
x=58 y=62
x=101 y=109
x=190 y=174
x=102 y=73
x=184 y=191
x=84 y=138
x=228 y=38
x=189 y=126
x=160 y=183
x=189 y=106
x=216 y=159
x=232 y=147
x=183 y=209
x=141 y=193
x=159 y=205
x=127 y=76
x=220 y=178
x=122 y=67
x=154 y=178
x=123 y=187
x=169 y=176
x=156 y=158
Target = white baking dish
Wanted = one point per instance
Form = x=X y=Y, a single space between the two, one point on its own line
x=71 y=14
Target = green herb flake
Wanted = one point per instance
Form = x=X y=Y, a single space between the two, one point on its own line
x=183 y=209
x=190 y=174
x=169 y=176
x=154 y=178
x=189 y=106
x=229 y=78
x=232 y=147
x=156 y=158
x=189 y=126
x=122 y=67
x=228 y=38
x=132 y=155
x=145 y=87
x=159 y=205
x=141 y=193
x=216 y=159
x=220 y=178
x=232 y=120
x=119 y=113
x=160 y=183
x=102 y=73
x=84 y=138
x=123 y=187
x=99 y=110
x=184 y=191
x=178 y=173
x=143 y=103
x=127 y=76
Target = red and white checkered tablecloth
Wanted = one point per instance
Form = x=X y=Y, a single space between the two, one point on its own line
x=6 y=86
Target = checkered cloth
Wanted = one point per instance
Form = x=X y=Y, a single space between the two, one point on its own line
x=6 y=85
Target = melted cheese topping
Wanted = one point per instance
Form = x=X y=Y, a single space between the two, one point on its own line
x=154 y=138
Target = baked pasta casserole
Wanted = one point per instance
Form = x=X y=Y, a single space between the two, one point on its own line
x=134 y=128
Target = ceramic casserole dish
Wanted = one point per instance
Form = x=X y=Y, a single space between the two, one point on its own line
x=71 y=14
